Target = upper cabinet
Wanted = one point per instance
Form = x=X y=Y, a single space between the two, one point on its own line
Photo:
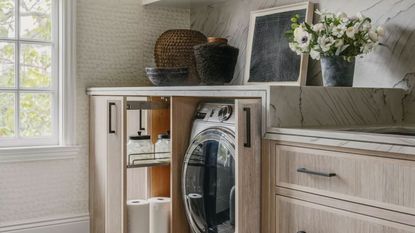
x=180 y=3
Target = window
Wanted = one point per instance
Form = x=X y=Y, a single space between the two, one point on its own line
x=29 y=73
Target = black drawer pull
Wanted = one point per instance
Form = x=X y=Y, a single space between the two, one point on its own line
x=141 y=120
x=301 y=232
x=110 y=130
x=304 y=170
x=248 y=127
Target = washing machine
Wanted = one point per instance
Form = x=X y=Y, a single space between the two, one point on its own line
x=208 y=178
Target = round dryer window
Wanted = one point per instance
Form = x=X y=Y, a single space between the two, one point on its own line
x=209 y=182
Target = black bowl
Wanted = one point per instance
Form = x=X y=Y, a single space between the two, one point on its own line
x=168 y=76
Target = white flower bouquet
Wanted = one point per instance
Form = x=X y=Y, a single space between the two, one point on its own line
x=335 y=35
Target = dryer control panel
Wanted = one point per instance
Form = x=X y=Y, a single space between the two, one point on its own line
x=216 y=112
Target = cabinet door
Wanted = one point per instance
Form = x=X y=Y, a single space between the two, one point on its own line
x=107 y=165
x=248 y=169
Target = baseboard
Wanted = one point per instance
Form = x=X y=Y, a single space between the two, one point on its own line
x=67 y=224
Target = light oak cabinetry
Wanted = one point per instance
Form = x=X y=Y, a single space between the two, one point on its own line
x=110 y=183
x=248 y=166
x=319 y=189
x=107 y=165
x=302 y=216
x=371 y=180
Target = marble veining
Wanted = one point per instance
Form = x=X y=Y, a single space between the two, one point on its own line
x=386 y=67
x=325 y=107
x=408 y=102
x=404 y=149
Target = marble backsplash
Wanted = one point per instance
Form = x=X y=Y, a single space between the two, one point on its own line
x=335 y=107
x=408 y=102
x=389 y=66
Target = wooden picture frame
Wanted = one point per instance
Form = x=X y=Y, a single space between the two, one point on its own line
x=274 y=63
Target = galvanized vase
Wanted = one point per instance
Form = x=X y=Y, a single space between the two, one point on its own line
x=337 y=72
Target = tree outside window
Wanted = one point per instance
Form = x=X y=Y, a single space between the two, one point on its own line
x=28 y=70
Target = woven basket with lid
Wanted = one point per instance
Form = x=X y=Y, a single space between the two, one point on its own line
x=174 y=48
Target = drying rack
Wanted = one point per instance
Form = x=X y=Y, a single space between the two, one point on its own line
x=153 y=161
x=148 y=162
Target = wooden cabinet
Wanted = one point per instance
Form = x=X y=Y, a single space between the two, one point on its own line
x=325 y=189
x=248 y=169
x=109 y=178
x=371 y=180
x=107 y=163
x=295 y=216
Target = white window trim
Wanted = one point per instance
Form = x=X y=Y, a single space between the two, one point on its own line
x=68 y=72
x=67 y=101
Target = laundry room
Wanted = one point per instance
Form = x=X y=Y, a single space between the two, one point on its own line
x=207 y=116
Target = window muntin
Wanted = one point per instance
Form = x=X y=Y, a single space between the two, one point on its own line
x=29 y=77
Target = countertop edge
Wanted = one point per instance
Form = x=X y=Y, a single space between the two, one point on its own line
x=405 y=149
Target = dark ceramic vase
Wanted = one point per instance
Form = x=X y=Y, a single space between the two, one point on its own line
x=337 y=72
x=215 y=62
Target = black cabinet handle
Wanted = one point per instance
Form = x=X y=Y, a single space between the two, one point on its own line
x=110 y=130
x=141 y=120
x=301 y=232
x=304 y=170
x=248 y=127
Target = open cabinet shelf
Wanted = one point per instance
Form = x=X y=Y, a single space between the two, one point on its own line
x=113 y=182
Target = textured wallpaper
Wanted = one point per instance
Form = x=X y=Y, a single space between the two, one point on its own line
x=115 y=43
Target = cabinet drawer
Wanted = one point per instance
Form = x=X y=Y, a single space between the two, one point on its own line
x=382 y=182
x=294 y=216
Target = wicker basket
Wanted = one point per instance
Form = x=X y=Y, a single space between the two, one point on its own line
x=174 y=48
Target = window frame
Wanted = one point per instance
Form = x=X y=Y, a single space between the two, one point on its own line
x=63 y=87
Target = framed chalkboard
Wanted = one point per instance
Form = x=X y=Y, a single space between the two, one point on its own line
x=269 y=58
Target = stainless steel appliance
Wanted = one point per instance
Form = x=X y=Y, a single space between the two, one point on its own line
x=209 y=170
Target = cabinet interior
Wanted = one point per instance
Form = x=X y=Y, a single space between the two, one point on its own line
x=165 y=180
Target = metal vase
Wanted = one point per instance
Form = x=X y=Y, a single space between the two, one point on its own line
x=337 y=72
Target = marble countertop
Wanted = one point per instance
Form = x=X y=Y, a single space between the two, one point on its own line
x=358 y=137
x=307 y=114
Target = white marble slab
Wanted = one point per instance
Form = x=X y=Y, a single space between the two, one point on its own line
x=386 y=67
x=329 y=140
x=322 y=107
x=361 y=134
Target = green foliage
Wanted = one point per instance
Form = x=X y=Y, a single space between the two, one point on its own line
x=7 y=114
x=295 y=24
x=35 y=109
x=36 y=66
x=7 y=69
x=334 y=35
x=35 y=115
x=7 y=18
x=37 y=14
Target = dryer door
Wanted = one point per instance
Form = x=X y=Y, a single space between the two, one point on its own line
x=209 y=182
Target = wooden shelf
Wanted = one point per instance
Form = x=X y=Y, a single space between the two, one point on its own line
x=180 y=3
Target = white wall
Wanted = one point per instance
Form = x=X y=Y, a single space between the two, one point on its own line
x=115 y=43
